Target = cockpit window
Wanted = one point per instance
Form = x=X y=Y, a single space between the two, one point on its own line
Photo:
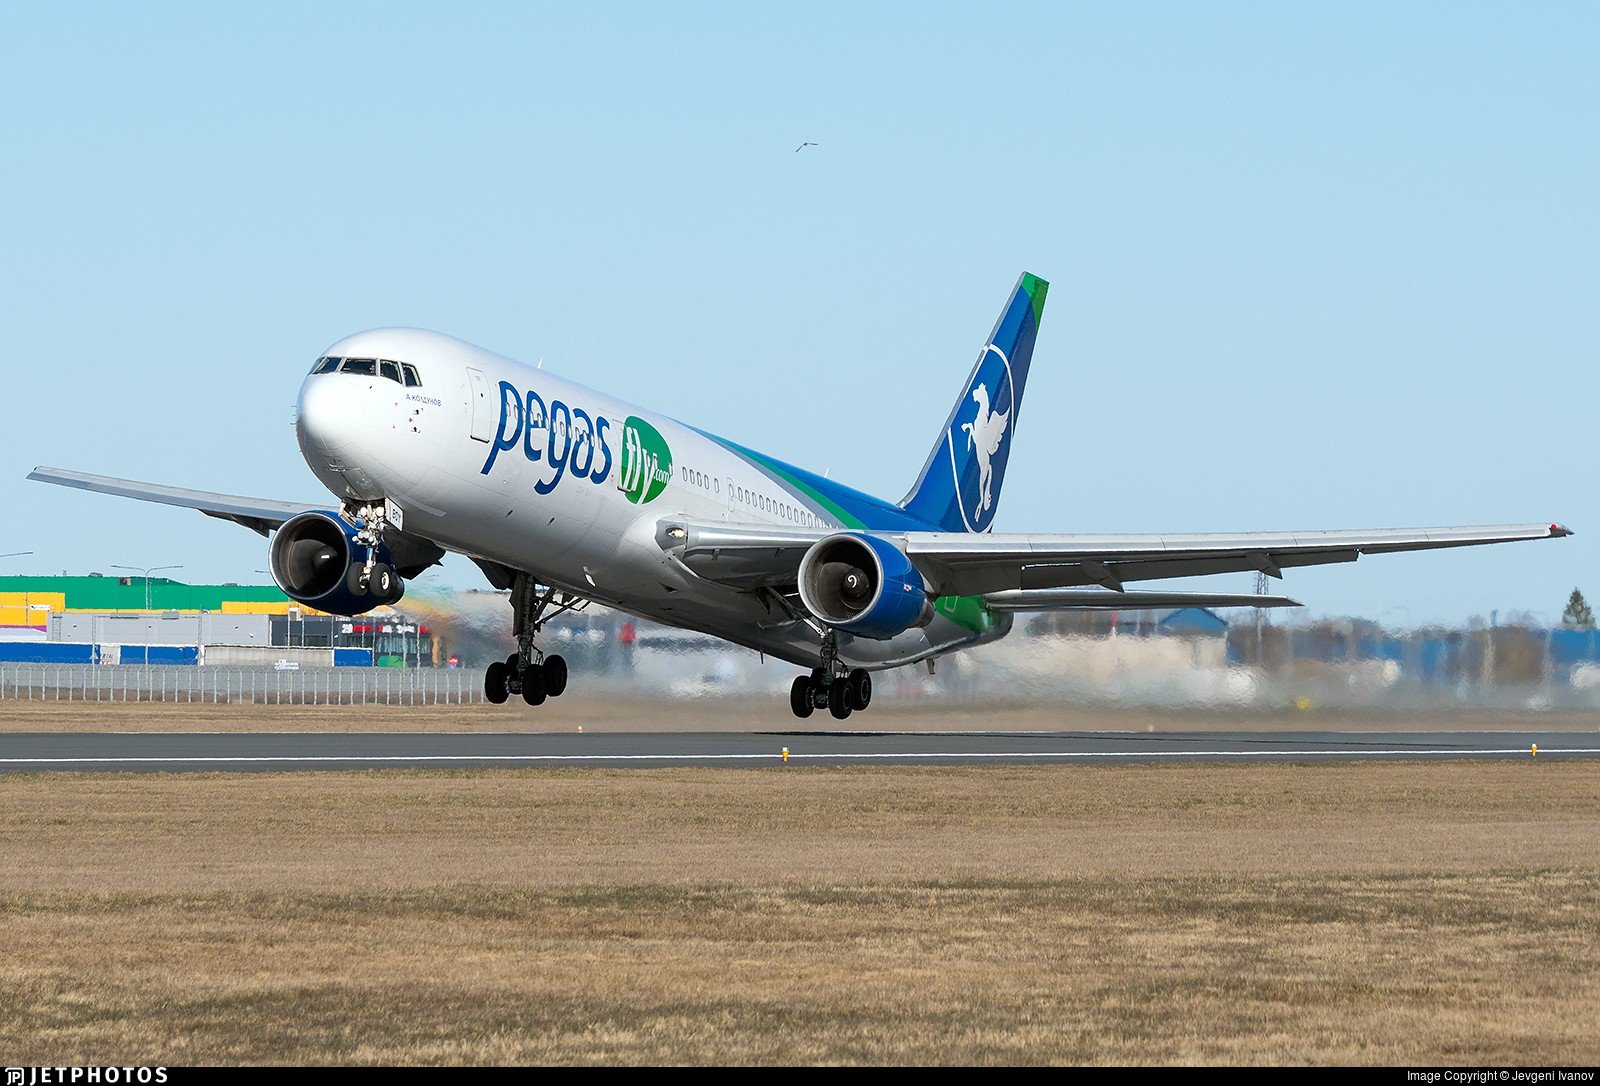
x=401 y=373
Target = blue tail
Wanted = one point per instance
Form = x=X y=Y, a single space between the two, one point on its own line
x=959 y=488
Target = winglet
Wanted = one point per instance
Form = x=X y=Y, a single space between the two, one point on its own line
x=1558 y=531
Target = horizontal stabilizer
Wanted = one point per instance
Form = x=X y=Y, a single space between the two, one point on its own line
x=1073 y=599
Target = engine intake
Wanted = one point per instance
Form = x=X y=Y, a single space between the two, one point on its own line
x=316 y=559
x=863 y=585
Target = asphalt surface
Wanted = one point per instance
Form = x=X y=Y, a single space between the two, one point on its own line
x=29 y=752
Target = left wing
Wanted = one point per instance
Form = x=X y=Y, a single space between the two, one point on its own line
x=963 y=564
x=258 y=514
x=412 y=553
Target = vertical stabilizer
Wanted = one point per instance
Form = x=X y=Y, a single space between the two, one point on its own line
x=959 y=488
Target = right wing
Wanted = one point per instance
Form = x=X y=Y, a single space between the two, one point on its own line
x=966 y=564
x=258 y=514
x=1099 y=599
x=1009 y=569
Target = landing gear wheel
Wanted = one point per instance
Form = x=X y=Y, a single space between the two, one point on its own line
x=555 y=676
x=495 y=690
x=820 y=677
x=860 y=684
x=352 y=581
x=533 y=691
x=839 y=698
x=385 y=584
x=800 y=696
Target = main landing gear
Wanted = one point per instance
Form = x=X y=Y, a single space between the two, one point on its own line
x=528 y=671
x=830 y=686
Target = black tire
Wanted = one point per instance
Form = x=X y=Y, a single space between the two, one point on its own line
x=820 y=678
x=384 y=582
x=555 y=676
x=495 y=689
x=860 y=688
x=512 y=661
x=800 y=696
x=533 y=685
x=352 y=581
x=839 y=699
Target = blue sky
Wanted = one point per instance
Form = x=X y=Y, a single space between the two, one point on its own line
x=1312 y=265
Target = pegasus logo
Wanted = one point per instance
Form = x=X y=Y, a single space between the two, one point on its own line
x=978 y=447
x=984 y=434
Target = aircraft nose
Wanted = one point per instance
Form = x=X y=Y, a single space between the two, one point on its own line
x=325 y=418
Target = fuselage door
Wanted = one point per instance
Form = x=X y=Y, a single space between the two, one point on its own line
x=478 y=393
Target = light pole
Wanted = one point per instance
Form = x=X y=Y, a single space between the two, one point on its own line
x=146 y=571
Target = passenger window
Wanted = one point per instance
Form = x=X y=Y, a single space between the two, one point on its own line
x=390 y=370
x=412 y=380
x=364 y=367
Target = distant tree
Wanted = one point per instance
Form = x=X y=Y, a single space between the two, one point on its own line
x=1577 y=616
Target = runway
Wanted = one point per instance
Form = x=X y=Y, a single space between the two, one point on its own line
x=182 y=752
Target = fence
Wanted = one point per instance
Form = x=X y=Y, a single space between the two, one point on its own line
x=246 y=685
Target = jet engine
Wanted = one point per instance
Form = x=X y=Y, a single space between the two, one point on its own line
x=863 y=585
x=317 y=560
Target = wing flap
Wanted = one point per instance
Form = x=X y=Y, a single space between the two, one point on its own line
x=1066 y=599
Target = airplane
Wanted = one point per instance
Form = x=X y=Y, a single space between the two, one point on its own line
x=566 y=496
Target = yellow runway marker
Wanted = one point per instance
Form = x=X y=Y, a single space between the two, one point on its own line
x=1534 y=751
x=786 y=754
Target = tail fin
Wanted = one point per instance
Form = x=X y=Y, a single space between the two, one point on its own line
x=959 y=488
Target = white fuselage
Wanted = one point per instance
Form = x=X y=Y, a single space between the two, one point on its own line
x=517 y=467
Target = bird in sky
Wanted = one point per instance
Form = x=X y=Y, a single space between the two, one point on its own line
x=803 y=146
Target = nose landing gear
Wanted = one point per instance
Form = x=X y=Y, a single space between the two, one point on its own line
x=830 y=686
x=528 y=671
x=373 y=578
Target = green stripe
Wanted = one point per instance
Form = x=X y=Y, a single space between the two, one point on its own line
x=1036 y=289
x=809 y=491
x=967 y=611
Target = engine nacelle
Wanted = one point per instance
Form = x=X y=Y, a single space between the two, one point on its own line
x=863 y=585
x=317 y=560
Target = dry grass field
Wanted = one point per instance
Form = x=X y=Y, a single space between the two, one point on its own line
x=610 y=713
x=1350 y=913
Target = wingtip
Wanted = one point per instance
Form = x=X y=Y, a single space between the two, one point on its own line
x=1558 y=531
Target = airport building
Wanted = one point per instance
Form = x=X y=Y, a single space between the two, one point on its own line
x=99 y=619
